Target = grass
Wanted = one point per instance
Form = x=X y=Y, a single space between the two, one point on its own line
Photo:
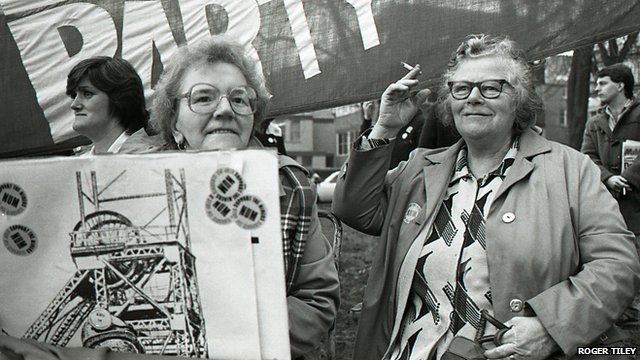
x=355 y=261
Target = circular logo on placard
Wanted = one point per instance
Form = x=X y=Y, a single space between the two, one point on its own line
x=249 y=212
x=227 y=184
x=219 y=211
x=13 y=200
x=100 y=319
x=20 y=240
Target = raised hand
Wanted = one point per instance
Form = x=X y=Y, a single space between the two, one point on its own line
x=398 y=106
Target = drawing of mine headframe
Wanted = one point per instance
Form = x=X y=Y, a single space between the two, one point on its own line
x=135 y=288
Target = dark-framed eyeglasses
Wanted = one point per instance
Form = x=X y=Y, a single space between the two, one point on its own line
x=489 y=89
x=204 y=98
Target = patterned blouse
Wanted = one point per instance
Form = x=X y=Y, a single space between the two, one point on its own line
x=451 y=281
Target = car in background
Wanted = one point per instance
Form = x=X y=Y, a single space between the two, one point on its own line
x=327 y=186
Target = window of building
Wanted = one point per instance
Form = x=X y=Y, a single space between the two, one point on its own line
x=563 y=118
x=306 y=160
x=330 y=161
x=293 y=132
x=344 y=141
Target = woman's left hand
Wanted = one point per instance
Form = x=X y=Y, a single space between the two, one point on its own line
x=527 y=339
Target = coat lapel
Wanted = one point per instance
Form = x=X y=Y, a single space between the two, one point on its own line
x=426 y=189
x=436 y=175
x=603 y=123
x=431 y=182
x=531 y=144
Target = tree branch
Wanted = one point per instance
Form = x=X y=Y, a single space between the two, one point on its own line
x=628 y=44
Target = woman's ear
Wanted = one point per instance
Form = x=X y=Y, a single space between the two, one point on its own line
x=178 y=137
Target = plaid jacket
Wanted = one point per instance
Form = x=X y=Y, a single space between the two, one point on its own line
x=296 y=203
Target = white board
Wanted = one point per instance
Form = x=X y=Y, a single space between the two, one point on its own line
x=171 y=253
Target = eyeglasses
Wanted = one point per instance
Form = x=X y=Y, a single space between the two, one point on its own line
x=489 y=89
x=205 y=98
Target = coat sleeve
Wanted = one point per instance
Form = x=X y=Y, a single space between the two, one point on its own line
x=361 y=196
x=590 y=148
x=313 y=300
x=579 y=309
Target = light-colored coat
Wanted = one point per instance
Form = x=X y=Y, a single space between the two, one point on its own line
x=567 y=254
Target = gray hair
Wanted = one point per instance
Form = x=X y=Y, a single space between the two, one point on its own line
x=211 y=50
x=519 y=73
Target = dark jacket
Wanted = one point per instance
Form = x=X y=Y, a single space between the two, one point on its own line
x=604 y=147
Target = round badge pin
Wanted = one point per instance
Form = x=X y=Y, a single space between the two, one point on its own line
x=13 y=199
x=20 y=240
x=219 y=211
x=227 y=184
x=250 y=212
x=412 y=212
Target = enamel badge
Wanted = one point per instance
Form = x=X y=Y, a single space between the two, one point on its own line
x=412 y=212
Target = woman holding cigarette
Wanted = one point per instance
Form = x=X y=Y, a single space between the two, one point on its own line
x=503 y=234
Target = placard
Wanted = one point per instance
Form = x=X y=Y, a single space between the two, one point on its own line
x=173 y=253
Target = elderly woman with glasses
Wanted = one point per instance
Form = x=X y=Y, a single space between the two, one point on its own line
x=212 y=96
x=502 y=225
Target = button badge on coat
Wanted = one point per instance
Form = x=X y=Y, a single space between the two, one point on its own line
x=412 y=212
x=508 y=217
x=516 y=305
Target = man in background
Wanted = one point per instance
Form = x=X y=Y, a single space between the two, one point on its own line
x=617 y=122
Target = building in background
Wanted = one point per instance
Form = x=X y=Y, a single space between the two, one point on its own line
x=320 y=140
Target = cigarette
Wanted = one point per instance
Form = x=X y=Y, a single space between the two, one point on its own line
x=406 y=66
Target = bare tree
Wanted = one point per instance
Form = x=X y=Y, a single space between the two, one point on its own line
x=578 y=94
x=612 y=53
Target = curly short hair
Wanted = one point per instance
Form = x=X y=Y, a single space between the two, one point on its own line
x=519 y=74
x=620 y=73
x=211 y=50
x=122 y=84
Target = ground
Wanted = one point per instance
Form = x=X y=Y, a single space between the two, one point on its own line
x=355 y=262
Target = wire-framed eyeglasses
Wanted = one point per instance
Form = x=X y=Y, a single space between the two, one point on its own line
x=204 y=99
x=489 y=89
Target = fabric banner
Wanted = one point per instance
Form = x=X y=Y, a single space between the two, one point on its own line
x=314 y=54
x=116 y=251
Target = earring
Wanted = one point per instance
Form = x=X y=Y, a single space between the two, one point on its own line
x=180 y=141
